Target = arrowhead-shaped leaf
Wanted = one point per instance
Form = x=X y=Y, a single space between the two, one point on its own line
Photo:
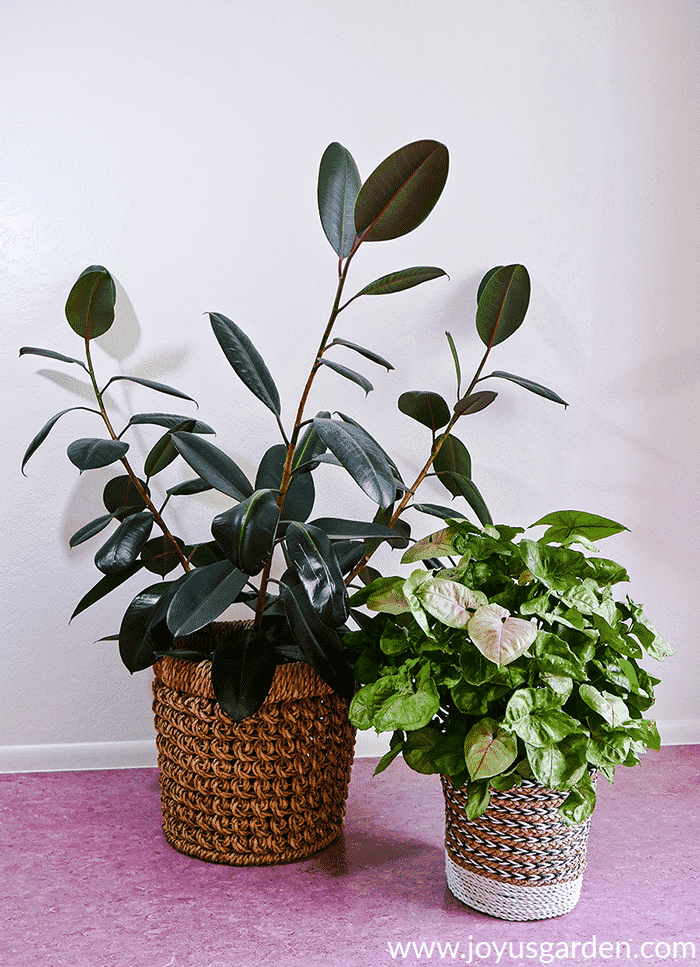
x=213 y=465
x=125 y=544
x=434 y=545
x=427 y=408
x=611 y=707
x=402 y=191
x=451 y=603
x=246 y=361
x=91 y=301
x=489 y=749
x=503 y=304
x=338 y=186
x=89 y=453
x=499 y=637
x=567 y=523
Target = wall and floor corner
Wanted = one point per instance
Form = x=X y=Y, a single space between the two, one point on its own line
x=177 y=143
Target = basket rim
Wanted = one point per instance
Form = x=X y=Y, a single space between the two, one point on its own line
x=291 y=680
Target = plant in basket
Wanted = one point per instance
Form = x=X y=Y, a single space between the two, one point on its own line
x=514 y=673
x=266 y=552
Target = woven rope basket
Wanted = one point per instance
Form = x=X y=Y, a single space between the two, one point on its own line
x=520 y=860
x=270 y=789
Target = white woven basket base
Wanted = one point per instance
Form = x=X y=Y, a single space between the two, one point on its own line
x=510 y=901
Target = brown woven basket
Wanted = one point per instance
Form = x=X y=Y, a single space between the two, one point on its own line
x=520 y=860
x=270 y=789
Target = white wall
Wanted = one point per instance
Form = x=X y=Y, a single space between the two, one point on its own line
x=177 y=142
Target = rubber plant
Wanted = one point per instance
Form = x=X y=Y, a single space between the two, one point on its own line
x=515 y=660
x=302 y=614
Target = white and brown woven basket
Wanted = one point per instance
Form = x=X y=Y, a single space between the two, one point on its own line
x=269 y=789
x=520 y=860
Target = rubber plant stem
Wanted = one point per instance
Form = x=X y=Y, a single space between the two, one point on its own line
x=143 y=493
x=291 y=446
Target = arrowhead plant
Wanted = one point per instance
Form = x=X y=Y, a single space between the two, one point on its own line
x=301 y=615
x=515 y=662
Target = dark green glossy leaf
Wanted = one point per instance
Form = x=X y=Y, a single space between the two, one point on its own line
x=203 y=596
x=138 y=637
x=474 y=402
x=242 y=670
x=452 y=457
x=568 y=523
x=503 y=304
x=89 y=453
x=196 y=486
x=338 y=186
x=104 y=586
x=300 y=496
x=124 y=546
x=372 y=444
x=208 y=552
x=89 y=530
x=367 y=353
x=528 y=384
x=163 y=453
x=246 y=361
x=152 y=384
x=121 y=496
x=45 y=430
x=455 y=358
x=311 y=554
x=168 y=420
x=348 y=374
x=246 y=532
x=321 y=646
x=427 y=408
x=91 y=301
x=35 y=351
x=213 y=465
x=402 y=191
x=365 y=464
x=403 y=279
x=435 y=510
x=461 y=486
x=310 y=444
x=339 y=529
x=159 y=556
x=484 y=282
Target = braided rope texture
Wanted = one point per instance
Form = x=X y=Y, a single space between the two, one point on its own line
x=520 y=857
x=270 y=789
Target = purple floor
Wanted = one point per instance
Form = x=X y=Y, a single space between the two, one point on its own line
x=87 y=880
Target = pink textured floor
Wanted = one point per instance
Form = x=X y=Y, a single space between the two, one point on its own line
x=87 y=880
